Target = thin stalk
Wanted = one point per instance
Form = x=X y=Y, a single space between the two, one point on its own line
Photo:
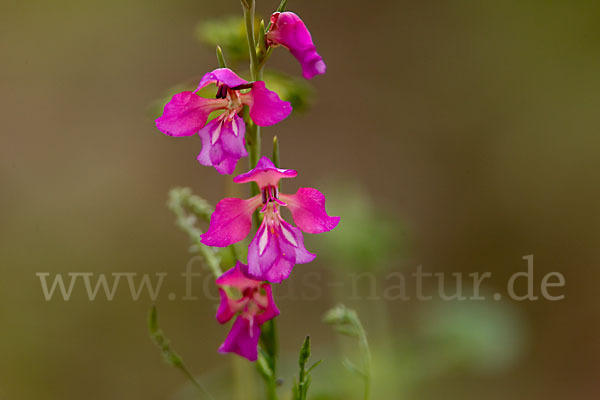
x=254 y=146
x=271 y=390
x=346 y=322
x=275 y=157
x=253 y=139
x=249 y=7
x=169 y=355
x=194 y=381
x=367 y=361
x=254 y=151
x=269 y=342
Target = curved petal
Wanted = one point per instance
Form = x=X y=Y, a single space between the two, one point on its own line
x=231 y=221
x=265 y=174
x=266 y=108
x=293 y=242
x=216 y=155
x=227 y=166
x=223 y=144
x=221 y=76
x=308 y=210
x=225 y=311
x=242 y=339
x=289 y=31
x=236 y=278
x=271 y=311
x=269 y=265
x=273 y=253
x=233 y=138
x=186 y=113
x=259 y=259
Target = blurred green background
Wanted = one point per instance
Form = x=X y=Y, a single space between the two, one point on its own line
x=456 y=135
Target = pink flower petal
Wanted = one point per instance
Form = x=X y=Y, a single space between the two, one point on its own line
x=242 y=339
x=225 y=311
x=265 y=174
x=308 y=210
x=266 y=108
x=234 y=141
x=236 y=278
x=294 y=243
x=223 y=144
x=289 y=31
x=221 y=76
x=231 y=221
x=186 y=113
x=273 y=254
x=271 y=311
x=255 y=307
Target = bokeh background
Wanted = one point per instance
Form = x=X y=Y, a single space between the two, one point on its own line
x=456 y=135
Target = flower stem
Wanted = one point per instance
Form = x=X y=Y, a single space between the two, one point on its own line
x=254 y=146
x=367 y=360
x=194 y=381
x=253 y=138
x=269 y=342
x=346 y=322
x=254 y=151
x=249 y=6
x=169 y=355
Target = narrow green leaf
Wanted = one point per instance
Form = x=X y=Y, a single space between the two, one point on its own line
x=262 y=364
x=307 y=385
x=168 y=354
x=281 y=8
x=352 y=367
x=276 y=151
x=152 y=321
x=300 y=388
x=262 y=41
x=221 y=58
x=304 y=353
x=346 y=321
x=313 y=366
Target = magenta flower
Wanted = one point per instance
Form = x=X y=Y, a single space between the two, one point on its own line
x=223 y=138
x=288 y=30
x=277 y=246
x=254 y=307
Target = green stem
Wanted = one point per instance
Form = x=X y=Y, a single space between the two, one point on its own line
x=169 y=354
x=269 y=342
x=194 y=381
x=367 y=360
x=254 y=146
x=254 y=151
x=346 y=322
x=249 y=6
x=271 y=390
x=253 y=138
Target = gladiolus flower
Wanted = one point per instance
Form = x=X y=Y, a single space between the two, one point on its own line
x=277 y=246
x=223 y=138
x=254 y=307
x=288 y=30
